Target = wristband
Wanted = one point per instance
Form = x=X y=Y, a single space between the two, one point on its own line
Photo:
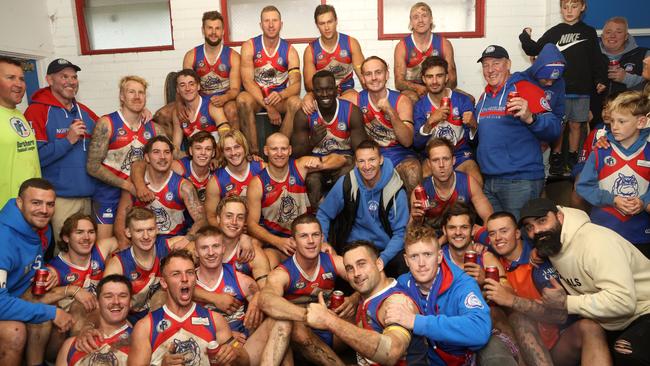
x=261 y=277
x=75 y=293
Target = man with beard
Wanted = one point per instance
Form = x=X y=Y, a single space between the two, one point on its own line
x=606 y=277
x=112 y=332
x=446 y=186
x=118 y=140
x=235 y=173
x=453 y=121
x=545 y=335
x=336 y=126
x=270 y=72
x=176 y=205
x=278 y=195
x=179 y=332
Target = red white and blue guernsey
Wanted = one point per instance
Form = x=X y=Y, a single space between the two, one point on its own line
x=190 y=334
x=337 y=135
x=233 y=260
x=188 y=173
x=201 y=121
x=271 y=71
x=113 y=350
x=282 y=201
x=86 y=277
x=304 y=289
x=171 y=214
x=215 y=78
x=230 y=185
x=415 y=56
x=338 y=61
x=462 y=192
x=144 y=281
x=379 y=127
x=453 y=129
x=367 y=318
x=227 y=283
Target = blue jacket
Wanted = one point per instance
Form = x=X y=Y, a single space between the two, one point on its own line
x=367 y=225
x=507 y=147
x=21 y=254
x=457 y=320
x=63 y=164
x=555 y=93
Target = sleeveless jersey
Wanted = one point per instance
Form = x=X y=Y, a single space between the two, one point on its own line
x=304 y=289
x=201 y=121
x=339 y=61
x=125 y=146
x=190 y=334
x=228 y=284
x=113 y=350
x=453 y=129
x=415 y=56
x=145 y=282
x=230 y=185
x=627 y=176
x=215 y=78
x=282 y=201
x=70 y=274
x=271 y=72
x=233 y=260
x=337 y=136
x=188 y=173
x=367 y=318
x=462 y=192
x=171 y=215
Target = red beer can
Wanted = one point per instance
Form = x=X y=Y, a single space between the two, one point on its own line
x=212 y=350
x=421 y=195
x=614 y=63
x=512 y=94
x=470 y=257
x=445 y=102
x=492 y=272
x=40 y=282
x=336 y=299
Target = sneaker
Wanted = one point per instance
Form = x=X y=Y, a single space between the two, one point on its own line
x=572 y=159
x=556 y=164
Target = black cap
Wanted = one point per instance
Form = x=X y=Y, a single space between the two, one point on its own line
x=495 y=52
x=537 y=207
x=60 y=64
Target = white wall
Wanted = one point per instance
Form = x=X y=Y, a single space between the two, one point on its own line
x=100 y=73
x=25 y=29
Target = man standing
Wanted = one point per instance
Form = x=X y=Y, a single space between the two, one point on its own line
x=63 y=128
x=24 y=237
x=509 y=133
x=17 y=142
x=606 y=277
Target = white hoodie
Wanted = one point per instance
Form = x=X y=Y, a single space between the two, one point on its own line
x=607 y=278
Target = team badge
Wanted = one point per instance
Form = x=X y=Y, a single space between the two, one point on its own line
x=629 y=67
x=454 y=112
x=472 y=301
x=221 y=67
x=555 y=74
x=328 y=276
x=121 y=132
x=343 y=53
x=204 y=120
x=341 y=126
x=147 y=135
x=134 y=275
x=94 y=265
x=373 y=206
x=300 y=285
x=229 y=187
x=21 y=128
x=162 y=325
x=229 y=290
x=544 y=103
x=461 y=199
x=169 y=196
x=489 y=49
x=201 y=63
x=280 y=60
x=364 y=110
x=292 y=181
x=414 y=54
x=320 y=56
x=268 y=188
x=184 y=124
x=71 y=277
x=610 y=161
x=435 y=53
x=258 y=55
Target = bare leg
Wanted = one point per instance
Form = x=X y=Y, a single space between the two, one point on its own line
x=575 y=130
x=38 y=336
x=277 y=343
x=13 y=337
x=230 y=109
x=291 y=107
x=531 y=347
x=411 y=173
x=247 y=106
x=584 y=340
x=104 y=231
x=470 y=168
x=312 y=347
x=314 y=182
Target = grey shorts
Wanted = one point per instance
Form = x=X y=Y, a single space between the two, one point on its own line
x=577 y=109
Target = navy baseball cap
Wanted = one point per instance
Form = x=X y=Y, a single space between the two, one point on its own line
x=60 y=64
x=494 y=51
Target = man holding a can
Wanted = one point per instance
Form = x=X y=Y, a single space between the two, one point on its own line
x=24 y=237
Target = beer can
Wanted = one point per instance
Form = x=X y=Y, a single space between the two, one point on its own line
x=445 y=102
x=421 y=195
x=512 y=94
x=336 y=299
x=492 y=272
x=614 y=63
x=212 y=350
x=470 y=257
x=40 y=282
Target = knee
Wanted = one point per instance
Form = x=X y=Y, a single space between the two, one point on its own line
x=230 y=109
x=244 y=100
x=301 y=335
x=294 y=103
x=13 y=335
x=589 y=328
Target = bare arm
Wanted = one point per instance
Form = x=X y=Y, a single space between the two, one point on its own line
x=357 y=130
x=401 y=118
x=309 y=164
x=308 y=68
x=300 y=137
x=538 y=311
x=193 y=205
x=140 y=352
x=260 y=264
x=254 y=199
x=113 y=266
x=247 y=71
x=212 y=198
x=357 y=58
x=125 y=204
x=293 y=85
x=235 y=76
x=451 y=70
x=274 y=304
x=479 y=200
x=188 y=59
x=177 y=132
x=401 y=83
x=62 y=356
x=97 y=153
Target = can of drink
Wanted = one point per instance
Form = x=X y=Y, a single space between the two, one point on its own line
x=470 y=257
x=40 y=282
x=336 y=299
x=445 y=102
x=212 y=350
x=492 y=272
x=614 y=63
x=512 y=94
x=421 y=195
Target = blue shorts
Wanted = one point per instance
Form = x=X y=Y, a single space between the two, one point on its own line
x=397 y=154
x=462 y=156
x=325 y=335
x=105 y=212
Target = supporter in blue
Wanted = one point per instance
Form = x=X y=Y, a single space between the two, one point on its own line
x=24 y=237
x=369 y=203
x=510 y=130
x=63 y=127
x=455 y=319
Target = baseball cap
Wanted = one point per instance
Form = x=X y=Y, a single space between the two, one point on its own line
x=495 y=52
x=60 y=64
x=536 y=207
x=552 y=71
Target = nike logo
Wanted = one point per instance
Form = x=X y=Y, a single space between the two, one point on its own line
x=565 y=46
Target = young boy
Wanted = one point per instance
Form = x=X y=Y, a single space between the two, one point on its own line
x=578 y=43
x=615 y=180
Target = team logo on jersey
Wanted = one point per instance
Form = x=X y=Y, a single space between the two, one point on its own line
x=327 y=276
x=373 y=206
x=288 y=209
x=99 y=358
x=184 y=125
x=320 y=56
x=626 y=186
x=544 y=102
x=163 y=325
x=414 y=54
x=446 y=132
x=343 y=53
x=21 y=128
x=229 y=187
x=455 y=112
x=71 y=277
x=163 y=221
x=364 y=110
x=610 y=161
x=221 y=67
x=191 y=351
x=473 y=302
x=258 y=55
x=134 y=275
x=280 y=60
x=147 y=135
x=341 y=126
x=229 y=290
x=555 y=74
x=300 y=285
x=204 y=121
x=201 y=63
x=268 y=188
x=629 y=67
x=121 y=132
x=435 y=53
x=169 y=196
x=292 y=181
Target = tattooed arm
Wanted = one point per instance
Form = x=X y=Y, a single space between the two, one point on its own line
x=501 y=296
x=97 y=153
x=193 y=205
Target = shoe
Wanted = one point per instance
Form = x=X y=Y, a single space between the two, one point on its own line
x=572 y=159
x=556 y=164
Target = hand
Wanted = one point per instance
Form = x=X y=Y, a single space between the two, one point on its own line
x=286 y=246
x=274 y=116
x=62 y=320
x=327 y=248
x=518 y=107
x=399 y=313
x=308 y=104
x=52 y=280
x=254 y=314
x=318 y=133
x=616 y=73
x=146 y=115
x=318 y=315
x=420 y=89
x=417 y=210
x=218 y=100
x=497 y=293
x=129 y=187
x=469 y=120
x=182 y=112
x=173 y=359
x=628 y=205
x=76 y=131
x=384 y=105
x=602 y=143
x=636 y=205
x=439 y=115
x=226 y=354
x=478 y=248
x=246 y=252
x=475 y=271
x=255 y=157
x=143 y=193
x=347 y=308
x=529 y=30
x=227 y=303
x=600 y=88
x=239 y=337
x=87 y=341
x=535 y=260
x=88 y=300
x=273 y=98
x=313 y=163
x=554 y=297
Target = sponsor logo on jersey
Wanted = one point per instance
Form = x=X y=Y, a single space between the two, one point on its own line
x=610 y=161
x=280 y=60
x=169 y=196
x=300 y=285
x=71 y=277
x=200 y=321
x=162 y=325
x=544 y=103
x=134 y=275
x=121 y=132
x=435 y=53
x=327 y=276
